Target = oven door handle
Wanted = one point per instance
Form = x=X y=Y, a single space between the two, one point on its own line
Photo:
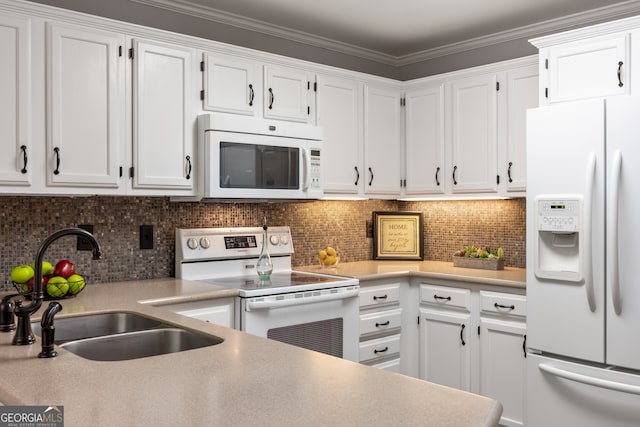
x=261 y=305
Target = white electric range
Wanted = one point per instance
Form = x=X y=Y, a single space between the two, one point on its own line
x=315 y=311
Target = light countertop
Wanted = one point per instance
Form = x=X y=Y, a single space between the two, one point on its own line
x=370 y=270
x=245 y=380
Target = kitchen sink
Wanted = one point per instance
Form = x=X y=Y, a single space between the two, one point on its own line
x=98 y=325
x=135 y=345
x=123 y=336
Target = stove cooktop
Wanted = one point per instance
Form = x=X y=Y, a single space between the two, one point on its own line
x=282 y=282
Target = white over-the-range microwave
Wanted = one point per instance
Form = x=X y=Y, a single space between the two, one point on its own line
x=250 y=158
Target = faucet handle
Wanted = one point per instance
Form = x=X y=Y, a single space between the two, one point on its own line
x=7 y=318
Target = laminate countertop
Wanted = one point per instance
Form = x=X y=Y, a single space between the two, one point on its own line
x=371 y=270
x=245 y=380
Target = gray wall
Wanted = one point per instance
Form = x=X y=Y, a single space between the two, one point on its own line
x=128 y=11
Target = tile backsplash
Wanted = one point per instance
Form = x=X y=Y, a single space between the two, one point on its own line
x=25 y=221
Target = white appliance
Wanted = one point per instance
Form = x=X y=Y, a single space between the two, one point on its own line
x=583 y=266
x=250 y=158
x=315 y=311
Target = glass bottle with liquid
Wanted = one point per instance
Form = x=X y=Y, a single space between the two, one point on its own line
x=264 y=266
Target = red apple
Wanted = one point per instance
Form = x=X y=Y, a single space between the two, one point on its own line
x=64 y=268
x=32 y=281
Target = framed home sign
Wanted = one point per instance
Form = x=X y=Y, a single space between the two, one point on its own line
x=398 y=235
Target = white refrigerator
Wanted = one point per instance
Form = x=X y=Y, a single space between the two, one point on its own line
x=583 y=264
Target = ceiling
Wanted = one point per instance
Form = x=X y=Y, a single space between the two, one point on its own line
x=397 y=31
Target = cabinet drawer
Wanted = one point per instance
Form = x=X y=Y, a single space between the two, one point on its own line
x=392 y=365
x=380 y=321
x=379 y=348
x=499 y=303
x=445 y=296
x=379 y=295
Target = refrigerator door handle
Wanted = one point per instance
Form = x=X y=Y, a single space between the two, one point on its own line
x=592 y=381
x=613 y=272
x=587 y=230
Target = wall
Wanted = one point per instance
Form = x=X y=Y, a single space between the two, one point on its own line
x=449 y=225
x=137 y=13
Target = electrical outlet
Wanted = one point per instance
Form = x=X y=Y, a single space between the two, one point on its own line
x=146 y=237
x=82 y=243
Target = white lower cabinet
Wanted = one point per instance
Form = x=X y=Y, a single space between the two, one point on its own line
x=445 y=347
x=503 y=353
x=381 y=325
x=474 y=339
x=218 y=311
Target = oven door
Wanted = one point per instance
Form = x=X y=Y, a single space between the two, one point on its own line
x=324 y=320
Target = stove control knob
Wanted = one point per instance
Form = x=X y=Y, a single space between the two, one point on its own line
x=192 y=243
x=205 y=243
x=284 y=239
x=274 y=239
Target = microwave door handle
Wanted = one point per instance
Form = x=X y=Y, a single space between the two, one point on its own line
x=306 y=161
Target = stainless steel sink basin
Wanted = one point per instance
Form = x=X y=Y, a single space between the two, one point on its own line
x=135 y=345
x=98 y=325
x=123 y=336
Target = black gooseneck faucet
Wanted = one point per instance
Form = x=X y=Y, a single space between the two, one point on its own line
x=24 y=334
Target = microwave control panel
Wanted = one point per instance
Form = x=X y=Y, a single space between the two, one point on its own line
x=314 y=172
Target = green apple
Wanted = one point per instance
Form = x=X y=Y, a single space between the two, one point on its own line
x=47 y=267
x=22 y=273
x=57 y=286
x=76 y=284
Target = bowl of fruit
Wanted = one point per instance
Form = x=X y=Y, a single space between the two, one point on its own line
x=328 y=257
x=58 y=282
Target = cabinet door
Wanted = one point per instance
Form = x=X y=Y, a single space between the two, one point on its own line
x=15 y=96
x=382 y=148
x=445 y=356
x=339 y=113
x=425 y=141
x=589 y=68
x=163 y=117
x=85 y=106
x=503 y=366
x=521 y=94
x=286 y=94
x=231 y=84
x=474 y=134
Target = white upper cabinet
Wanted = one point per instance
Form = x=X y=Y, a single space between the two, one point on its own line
x=16 y=162
x=339 y=111
x=521 y=94
x=287 y=94
x=588 y=68
x=85 y=106
x=382 y=141
x=164 y=119
x=424 y=138
x=231 y=84
x=474 y=145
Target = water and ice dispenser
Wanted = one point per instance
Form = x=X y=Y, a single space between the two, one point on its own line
x=558 y=245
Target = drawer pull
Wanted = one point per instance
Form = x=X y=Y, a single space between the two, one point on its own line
x=439 y=298
x=461 y=332
x=376 y=298
x=387 y=323
x=381 y=351
x=505 y=307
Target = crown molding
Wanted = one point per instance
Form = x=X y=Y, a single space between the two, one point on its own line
x=602 y=14
x=189 y=8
